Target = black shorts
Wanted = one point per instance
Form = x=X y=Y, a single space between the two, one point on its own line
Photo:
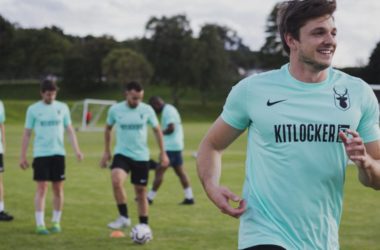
x=265 y=247
x=139 y=169
x=49 y=168
x=1 y=163
x=175 y=158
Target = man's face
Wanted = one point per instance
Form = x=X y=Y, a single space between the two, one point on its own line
x=134 y=97
x=48 y=96
x=317 y=43
x=157 y=106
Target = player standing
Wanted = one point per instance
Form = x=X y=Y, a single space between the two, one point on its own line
x=48 y=118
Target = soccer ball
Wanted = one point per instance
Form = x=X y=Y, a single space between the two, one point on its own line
x=141 y=234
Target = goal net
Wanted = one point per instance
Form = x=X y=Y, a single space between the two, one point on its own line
x=90 y=114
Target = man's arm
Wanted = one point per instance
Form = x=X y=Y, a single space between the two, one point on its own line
x=366 y=157
x=164 y=160
x=74 y=142
x=169 y=129
x=107 y=146
x=209 y=165
x=2 y=131
x=24 y=148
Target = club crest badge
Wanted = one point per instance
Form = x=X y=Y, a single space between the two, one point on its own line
x=342 y=98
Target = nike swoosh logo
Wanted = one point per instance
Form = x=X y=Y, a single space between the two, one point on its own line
x=269 y=103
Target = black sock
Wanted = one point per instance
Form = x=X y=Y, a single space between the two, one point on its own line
x=143 y=219
x=123 y=209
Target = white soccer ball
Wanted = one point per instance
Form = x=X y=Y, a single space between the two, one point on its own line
x=141 y=234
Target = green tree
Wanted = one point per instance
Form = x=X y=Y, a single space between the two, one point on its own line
x=168 y=46
x=6 y=39
x=272 y=54
x=36 y=53
x=124 y=65
x=213 y=59
x=83 y=63
x=372 y=71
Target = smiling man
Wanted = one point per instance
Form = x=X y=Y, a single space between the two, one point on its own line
x=304 y=122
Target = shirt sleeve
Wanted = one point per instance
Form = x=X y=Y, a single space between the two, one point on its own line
x=66 y=117
x=30 y=120
x=369 y=123
x=152 y=118
x=2 y=112
x=110 y=116
x=235 y=111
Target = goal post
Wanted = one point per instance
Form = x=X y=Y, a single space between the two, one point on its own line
x=90 y=114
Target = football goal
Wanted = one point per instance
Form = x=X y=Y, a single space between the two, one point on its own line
x=90 y=114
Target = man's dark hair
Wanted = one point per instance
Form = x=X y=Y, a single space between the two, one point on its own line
x=133 y=86
x=48 y=85
x=155 y=99
x=294 y=14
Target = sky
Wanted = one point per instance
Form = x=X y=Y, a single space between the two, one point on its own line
x=358 y=22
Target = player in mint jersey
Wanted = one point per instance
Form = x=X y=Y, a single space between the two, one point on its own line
x=3 y=215
x=173 y=140
x=49 y=119
x=304 y=122
x=131 y=154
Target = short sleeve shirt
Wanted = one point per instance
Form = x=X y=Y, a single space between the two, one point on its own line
x=295 y=164
x=173 y=141
x=2 y=120
x=48 y=122
x=131 y=129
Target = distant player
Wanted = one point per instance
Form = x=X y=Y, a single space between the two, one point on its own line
x=131 y=154
x=49 y=119
x=173 y=141
x=3 y=215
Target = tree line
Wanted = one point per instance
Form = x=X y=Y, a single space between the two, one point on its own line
x=169 y=53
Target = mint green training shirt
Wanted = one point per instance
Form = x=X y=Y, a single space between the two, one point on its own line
x=131 y=129
x=49 y=122
x=173 y=141
x=295 y=163
x=2 y=120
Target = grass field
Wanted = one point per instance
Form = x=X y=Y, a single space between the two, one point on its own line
x=89 y=204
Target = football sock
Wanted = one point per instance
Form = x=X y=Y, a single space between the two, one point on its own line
x=1 y=206
x=123 y=210
x=143 y=219
x=151 y=194
x=40 y=221
x=56 y=216
x=188 y=193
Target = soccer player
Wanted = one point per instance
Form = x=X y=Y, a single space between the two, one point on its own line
x=304 y=121
x=3 y=215
x=173 y=141
x=48 y=118
x=131 y=154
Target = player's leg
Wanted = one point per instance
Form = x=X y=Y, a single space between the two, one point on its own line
x=39 y=204
x=3 y=215
x=177 y=163
x=184 y=179
x=139 y=178
x=41 y=176
x=58 y=199
x=119 y=172
x=57 y=177
x=158 y=179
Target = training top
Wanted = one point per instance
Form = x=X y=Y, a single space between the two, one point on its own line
x=173 y=141
x=295 y=163
x=2 y=120
x=131 y=129
x=49 y=122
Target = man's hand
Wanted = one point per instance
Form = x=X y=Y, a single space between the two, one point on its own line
x=355 y=148
x=164 y=159
x=24 y=163
x=221 y=197
x=105 y=159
